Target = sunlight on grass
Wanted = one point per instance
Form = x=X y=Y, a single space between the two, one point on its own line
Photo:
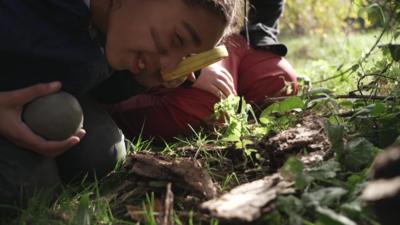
x=320 y=57
x=315 y=57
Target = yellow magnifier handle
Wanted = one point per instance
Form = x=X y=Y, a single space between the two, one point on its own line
x=196 y=62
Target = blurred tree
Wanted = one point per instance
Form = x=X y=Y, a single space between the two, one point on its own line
x=323 y=17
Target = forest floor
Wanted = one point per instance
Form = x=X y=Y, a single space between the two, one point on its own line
x=293 y=163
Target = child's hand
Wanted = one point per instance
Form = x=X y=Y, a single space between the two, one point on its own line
x=216 y=80
x=15 y=130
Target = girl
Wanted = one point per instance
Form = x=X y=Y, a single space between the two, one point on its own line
x=73 y=45
x=255 y=69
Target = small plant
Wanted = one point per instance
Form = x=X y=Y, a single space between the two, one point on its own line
x=235 y=112
x=148 y=207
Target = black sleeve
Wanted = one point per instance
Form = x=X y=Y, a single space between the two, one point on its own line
x=120 y=86
x=266 y=12
x=263 y=25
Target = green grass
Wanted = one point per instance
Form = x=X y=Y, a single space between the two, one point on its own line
x=83 y=204
x=322 y=57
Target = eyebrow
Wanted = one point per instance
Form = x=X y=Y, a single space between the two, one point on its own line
x=193 y=34
x=157 y=41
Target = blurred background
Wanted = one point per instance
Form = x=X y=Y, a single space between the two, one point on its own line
x=327 y=37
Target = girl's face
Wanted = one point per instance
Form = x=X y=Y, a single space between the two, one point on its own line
x=144 y=36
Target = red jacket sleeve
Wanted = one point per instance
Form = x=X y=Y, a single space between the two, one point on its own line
x=165 y=113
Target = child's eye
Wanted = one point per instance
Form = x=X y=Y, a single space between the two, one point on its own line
x=179 y=40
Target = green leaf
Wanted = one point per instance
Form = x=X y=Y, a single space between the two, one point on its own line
x=324 y=197
x=284 y=106
x=336 y=135
x=357 y=179
x=302 y=181
x=378 y=109
x=291 y=103
x=292 y=168
x=394 y=51
x=266 y=120
x=233 y=131
x=291 y=206
x=329 y=217
x=355 y=67
x=235 y=113
x=319 y=91
x=347 y=104
x=352 y=209
x=376 y=14
x=375 y=109
x=273 y=218
x=326 y=170
x=82 y=216
x=359 y=153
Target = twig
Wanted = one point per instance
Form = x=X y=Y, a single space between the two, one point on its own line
x=372 y=97
x=168 y=206
x=271 y=100
x=378 y=40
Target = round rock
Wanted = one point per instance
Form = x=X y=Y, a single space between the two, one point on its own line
x=54 y=117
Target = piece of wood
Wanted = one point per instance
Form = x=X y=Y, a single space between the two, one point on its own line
x=167 y=218
x=309 y=135
x=247 y=201
x=384 y=197
x=383 y=191
x=387 y=164
x=183 y=172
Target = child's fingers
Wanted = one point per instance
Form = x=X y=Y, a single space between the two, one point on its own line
x=29 y=140
x=228 y=77
x=213 y=90
x=192 y=77
x=81 y=133
x=22 y=96
x=225 y=88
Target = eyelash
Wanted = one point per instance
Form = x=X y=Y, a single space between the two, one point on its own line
x=180 y=40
